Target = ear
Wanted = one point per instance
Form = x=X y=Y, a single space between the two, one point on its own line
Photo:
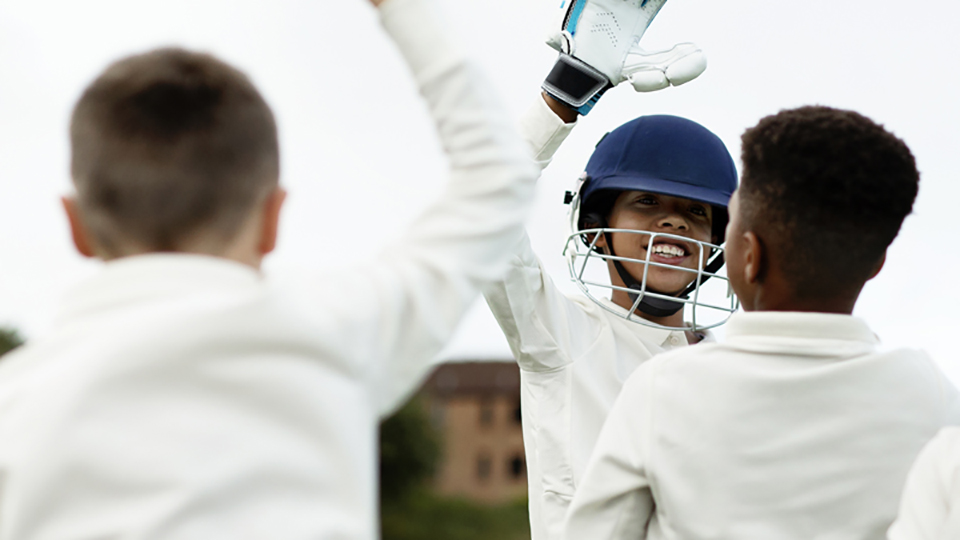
x=601 y=241
x=753 y=258
x=77 y=230
x=270 y=226
x=879 y=267
x=589 y=223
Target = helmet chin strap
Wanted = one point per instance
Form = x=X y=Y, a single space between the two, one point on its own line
x=661 y=307
x=655 y=307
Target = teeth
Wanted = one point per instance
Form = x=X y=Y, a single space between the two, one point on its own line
x=669 y=250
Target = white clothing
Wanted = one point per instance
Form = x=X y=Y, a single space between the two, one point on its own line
x=930 y=507
x=798 y=426
x=184 y=397
x=574 y=357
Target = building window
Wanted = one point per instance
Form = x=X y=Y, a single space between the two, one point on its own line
x=484 y=465
x=486 y=412
x=517 y=467
x=438 y=414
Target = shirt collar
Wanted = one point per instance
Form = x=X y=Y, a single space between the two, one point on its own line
x=144 y=278
x=805 y=333
x=650 y=334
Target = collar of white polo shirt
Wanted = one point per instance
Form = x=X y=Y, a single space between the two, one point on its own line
x=148 y=278
x=811 y=334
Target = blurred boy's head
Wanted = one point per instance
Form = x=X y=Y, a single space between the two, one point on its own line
x=822 y=194
x=174 y=151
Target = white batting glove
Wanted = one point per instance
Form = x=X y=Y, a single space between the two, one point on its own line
x=598 y=44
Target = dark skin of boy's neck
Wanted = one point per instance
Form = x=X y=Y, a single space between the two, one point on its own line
x=775 y=294
x=759 y=279
x=763 y=285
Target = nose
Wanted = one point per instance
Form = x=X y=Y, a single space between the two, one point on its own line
x=673 y=220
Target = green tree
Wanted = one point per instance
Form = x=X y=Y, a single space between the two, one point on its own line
x=409 y=451
x=425 y=516
x=411 y=510
x=9 y=340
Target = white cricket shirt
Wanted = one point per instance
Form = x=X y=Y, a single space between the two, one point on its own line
x=574 y=356
x=930 y=507
x=183 y=397
x=798 y=426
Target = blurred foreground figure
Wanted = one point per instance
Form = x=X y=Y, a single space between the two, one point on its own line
x=930 y=508
x=180 y=395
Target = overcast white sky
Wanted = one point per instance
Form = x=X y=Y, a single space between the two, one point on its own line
x=360 y=157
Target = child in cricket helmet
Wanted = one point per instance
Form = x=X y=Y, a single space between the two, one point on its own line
x=652 y=206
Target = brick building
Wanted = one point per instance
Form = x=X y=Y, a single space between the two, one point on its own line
x=477 y=407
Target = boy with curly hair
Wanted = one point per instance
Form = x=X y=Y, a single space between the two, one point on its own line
x=799 y=425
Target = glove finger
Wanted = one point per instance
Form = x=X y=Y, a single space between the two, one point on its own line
x=678 y=65
x=649 y=80
x=686 y=69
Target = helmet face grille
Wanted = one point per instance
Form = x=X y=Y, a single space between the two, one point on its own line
x=660 y=154
x=709 y=301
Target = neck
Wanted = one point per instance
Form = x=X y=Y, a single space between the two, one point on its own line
x=241 y=252
x=843 y=307
x=779 y=299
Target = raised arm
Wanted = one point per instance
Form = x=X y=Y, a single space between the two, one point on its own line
x=394 y=313
x=532 y=312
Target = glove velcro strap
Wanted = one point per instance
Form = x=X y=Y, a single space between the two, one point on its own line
x=575 y=83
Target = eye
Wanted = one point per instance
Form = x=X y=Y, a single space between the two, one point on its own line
x=698 y=210
x=646 y=200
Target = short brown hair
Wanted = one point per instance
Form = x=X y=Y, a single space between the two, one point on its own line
x=830 y=186
x=170 y=146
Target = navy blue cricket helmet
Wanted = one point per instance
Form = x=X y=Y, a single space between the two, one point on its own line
x=662 y=154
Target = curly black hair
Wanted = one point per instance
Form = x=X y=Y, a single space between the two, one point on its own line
x=831 y=188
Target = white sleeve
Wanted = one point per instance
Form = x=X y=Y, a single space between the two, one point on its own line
x=544 y=132
x=930 y=506
x=395 y=313
x=614 y=500
x=537 y=319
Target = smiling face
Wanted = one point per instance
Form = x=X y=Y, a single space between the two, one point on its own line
x=644 y=211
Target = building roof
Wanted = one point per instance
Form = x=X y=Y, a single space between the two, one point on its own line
x=474 y=378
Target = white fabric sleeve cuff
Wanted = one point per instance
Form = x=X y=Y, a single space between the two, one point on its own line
x=543 y=130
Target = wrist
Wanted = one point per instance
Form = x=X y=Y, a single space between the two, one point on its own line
x=575 y=84
x=562 y=111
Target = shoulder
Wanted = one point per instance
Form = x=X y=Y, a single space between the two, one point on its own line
x=675 y=362
x=916 y=368
x=701 y=352
x=676 y=368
